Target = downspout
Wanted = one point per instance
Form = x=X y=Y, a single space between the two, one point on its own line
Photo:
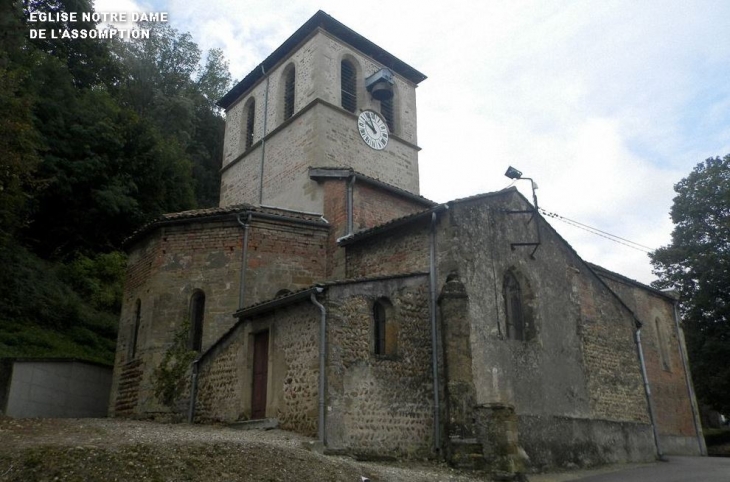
x=322 y=364
x=263 y=138
x=434 y=336
x=193 y=390
x=350 y=205
x=688 y=381
x=244 y=257
x=647 y=390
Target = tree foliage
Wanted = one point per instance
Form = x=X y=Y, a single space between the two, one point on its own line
x=97 y=137
x=697 y=264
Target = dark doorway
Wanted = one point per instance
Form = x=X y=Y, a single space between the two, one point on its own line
x=260 y=374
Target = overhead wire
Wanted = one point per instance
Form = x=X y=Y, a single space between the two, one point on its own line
x=592 y=230
x=598 y=232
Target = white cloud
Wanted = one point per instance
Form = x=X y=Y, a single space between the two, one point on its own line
x=605 y=104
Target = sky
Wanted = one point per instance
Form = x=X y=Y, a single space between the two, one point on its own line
x=606 y=105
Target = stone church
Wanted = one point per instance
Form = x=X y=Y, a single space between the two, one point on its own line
x=326 y=293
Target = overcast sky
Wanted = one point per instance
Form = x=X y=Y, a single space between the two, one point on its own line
x=605 y=104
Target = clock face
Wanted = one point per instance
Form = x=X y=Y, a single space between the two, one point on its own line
x=373 y=129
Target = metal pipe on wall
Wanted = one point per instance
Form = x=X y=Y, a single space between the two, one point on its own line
x=244 y=257
x=688 y=381
x=350 y=205
x=434 y=335
x=322 y=364
x=193 y=391
x=263 y=137
x=647 y=390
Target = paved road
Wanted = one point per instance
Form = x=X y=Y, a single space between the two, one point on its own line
x=677 y=469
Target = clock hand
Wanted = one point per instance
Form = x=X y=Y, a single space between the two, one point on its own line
x=371 y=126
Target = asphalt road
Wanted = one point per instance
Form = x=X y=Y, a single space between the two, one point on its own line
x=676 y=469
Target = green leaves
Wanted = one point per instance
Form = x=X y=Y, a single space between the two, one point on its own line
x=97 y=138
x=697 y=263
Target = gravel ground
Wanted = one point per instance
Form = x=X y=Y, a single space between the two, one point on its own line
x=124 y=450
x=108 y=450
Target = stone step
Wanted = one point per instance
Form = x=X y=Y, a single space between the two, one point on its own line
x=258 y=424
x=466 y=454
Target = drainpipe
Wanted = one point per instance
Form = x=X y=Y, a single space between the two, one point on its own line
x=434 y=337
x=647 y=390
x=244 y=256
x=193 y=390
x=263 y=138
x=350 y=205
x=322 y=363
x=688 y=381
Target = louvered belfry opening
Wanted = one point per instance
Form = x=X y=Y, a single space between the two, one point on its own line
x=289 y=94
x=348 y=86
x=386 y=108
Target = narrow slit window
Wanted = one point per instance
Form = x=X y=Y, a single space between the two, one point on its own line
x=289 y=93
x=379 y=317
x=197 y=313
x=663 y=348
x=385 y=328
x=514 y=308
x=135 y=329
x=250 y=116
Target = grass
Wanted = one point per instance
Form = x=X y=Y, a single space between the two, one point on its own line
x=27 y=340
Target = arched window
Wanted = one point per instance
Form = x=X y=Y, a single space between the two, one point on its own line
x=289 y=78
x=348 y=86
x=385 y=329
x=388 y=111
x=250 y=116
x=135 y=329
x=197 y=312
x=514 y=307
x=662 y=346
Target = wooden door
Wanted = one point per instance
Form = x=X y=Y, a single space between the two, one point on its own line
x=260 y=374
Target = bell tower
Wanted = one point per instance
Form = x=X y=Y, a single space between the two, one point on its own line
x=326 y=98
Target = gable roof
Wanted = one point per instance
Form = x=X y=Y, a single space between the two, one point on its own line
x=411 y=218
x=321 y=20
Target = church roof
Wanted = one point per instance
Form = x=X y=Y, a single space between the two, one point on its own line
x=321 y=20
x=317 y=173
x=402 y=221
x=601 y=271
x=226 y=212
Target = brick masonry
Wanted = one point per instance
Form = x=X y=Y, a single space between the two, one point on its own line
x=667 y=377
x=171 y=263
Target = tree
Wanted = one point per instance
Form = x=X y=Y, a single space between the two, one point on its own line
x=697 y=264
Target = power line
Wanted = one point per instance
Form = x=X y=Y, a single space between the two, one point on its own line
x=598 y=232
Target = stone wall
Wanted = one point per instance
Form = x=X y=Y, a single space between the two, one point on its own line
x=225 y=374
x=379 y=404
x=403 y=250
x=320 y=133
x=578 y=360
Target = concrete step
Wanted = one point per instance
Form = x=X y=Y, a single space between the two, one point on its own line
x=258 y=424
